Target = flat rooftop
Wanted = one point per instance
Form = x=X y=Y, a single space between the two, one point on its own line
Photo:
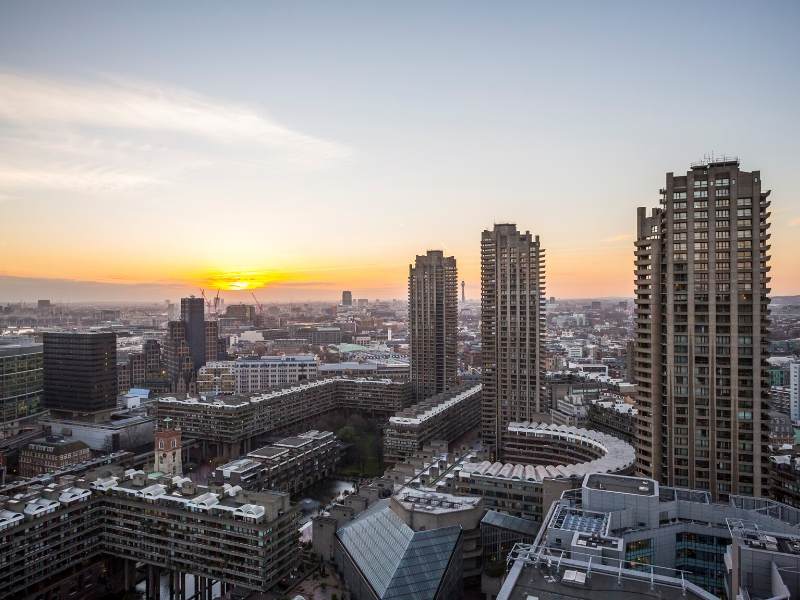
x=621 y=484
x=240 y=465
x=539 y=583
x=268 y=452
x=293 y=442
x=14 y=346
x=750 y=535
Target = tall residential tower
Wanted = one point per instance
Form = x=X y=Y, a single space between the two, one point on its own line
x=512 y=330
x=433 y=323
x=701 y=332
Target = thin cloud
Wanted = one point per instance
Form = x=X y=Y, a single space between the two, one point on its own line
x=72 y=179
x=795 y=222
x=30 y=102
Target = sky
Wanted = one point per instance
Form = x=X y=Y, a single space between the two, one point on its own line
x=297 y=149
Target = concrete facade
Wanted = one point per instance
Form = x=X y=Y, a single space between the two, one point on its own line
x=702 y=296
x=433 y=323
x=512 y=330
x=241 y=539
x=446 y=416
x=288 y=465
x=233 y=425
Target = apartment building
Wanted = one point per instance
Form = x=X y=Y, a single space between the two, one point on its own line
x=550 y=459
x=702 y=296
x=288 y=465
x=545 y=460
x=446 y=416
x=512 y=330
x=433 y=323
x=244 y=540
x=231 y=425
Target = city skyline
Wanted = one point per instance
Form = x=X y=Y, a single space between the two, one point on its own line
x=561 y=119
x=233 y=358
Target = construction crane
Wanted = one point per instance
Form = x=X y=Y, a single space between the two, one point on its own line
x=216 y=302
x=207 y=301
x=258 y=304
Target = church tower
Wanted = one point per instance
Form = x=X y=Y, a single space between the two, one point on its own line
x=168 y=449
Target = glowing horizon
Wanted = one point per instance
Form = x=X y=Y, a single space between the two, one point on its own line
x=268 y=156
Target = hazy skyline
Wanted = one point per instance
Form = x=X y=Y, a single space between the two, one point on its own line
x=320 y=147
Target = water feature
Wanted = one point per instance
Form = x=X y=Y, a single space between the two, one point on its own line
x=322 y=494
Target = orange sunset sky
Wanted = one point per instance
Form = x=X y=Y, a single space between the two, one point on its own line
x=300 y=152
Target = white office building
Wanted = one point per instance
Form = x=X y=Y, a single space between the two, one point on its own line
x=258 y=374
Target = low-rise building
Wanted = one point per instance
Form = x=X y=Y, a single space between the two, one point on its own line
x=781 y=430
x=250 y=375
x=391 y=367
x=123 y=430
x=572 y=410
x=51 y=454
x=613 y=416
